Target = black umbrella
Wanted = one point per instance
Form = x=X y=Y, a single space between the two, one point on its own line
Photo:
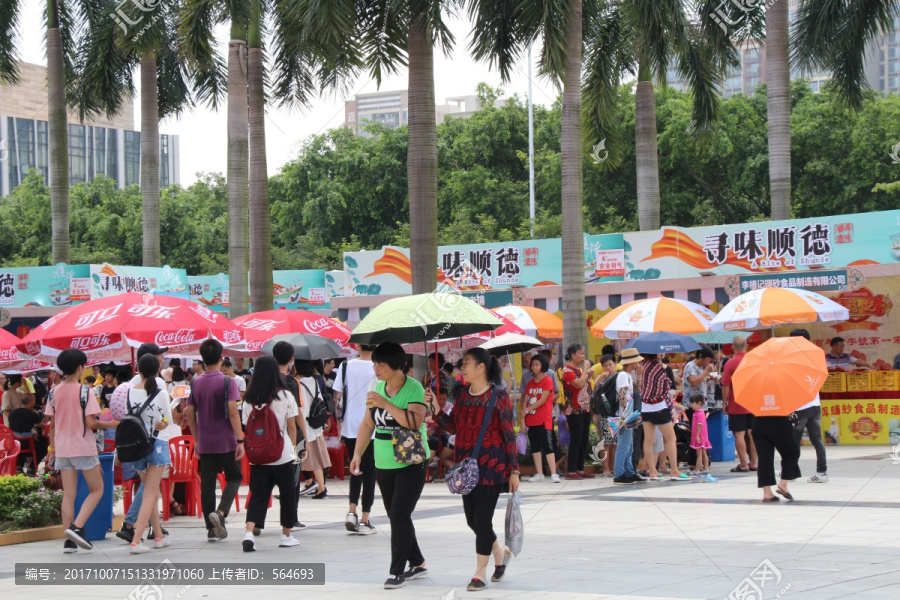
x=306 y=346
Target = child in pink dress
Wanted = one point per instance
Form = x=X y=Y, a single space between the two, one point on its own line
x=700 y=434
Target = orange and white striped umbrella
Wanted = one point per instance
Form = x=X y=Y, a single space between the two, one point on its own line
x=652 y=315
x=533 y=321
x=769 y=307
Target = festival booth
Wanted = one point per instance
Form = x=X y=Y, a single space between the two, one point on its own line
x=852 y=259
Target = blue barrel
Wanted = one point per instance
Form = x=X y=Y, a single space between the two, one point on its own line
x=101 y=520
x=720 y=437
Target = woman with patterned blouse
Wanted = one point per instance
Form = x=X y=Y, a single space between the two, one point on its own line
x=498 y=463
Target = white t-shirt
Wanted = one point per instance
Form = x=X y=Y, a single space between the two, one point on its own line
x=359 y=373
x=158 y=409
x=306 y=399
x=624 y=380
x=285 y=408
x=241 y=383
x=814 y=402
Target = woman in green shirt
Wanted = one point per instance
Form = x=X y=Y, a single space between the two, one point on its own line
x=397 y=403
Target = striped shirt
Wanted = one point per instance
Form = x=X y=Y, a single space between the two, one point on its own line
x=654 y=383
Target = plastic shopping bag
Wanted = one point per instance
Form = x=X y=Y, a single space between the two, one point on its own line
x=515 y=527
x=521 y=443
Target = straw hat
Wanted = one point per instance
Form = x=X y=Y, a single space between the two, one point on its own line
x=629 y=356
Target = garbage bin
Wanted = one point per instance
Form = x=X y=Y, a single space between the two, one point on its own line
x=101 y=520
x=720 y=437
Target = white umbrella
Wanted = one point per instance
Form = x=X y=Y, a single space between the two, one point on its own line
x=511 y=343
x=777 y=306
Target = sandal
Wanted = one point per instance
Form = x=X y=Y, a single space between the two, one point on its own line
x=738 y=469
x=176 y=509
x=476 y=585
x=787 y=495
x=772 y=499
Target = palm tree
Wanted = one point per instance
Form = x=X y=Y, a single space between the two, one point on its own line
x=58 y=131
x=260 y=224
x=503 y=30
x=196 y=22
x=61 y=25
x=778 y=90
x=126 y=39
x=343 y=36
x=645 y=38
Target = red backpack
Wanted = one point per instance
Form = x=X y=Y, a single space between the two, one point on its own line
x=263 y=440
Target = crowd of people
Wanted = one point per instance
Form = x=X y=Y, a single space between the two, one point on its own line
x=649 y=419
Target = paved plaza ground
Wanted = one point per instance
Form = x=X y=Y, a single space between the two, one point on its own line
x=583 y=540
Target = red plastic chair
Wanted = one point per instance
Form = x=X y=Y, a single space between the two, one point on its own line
x=131 y=487
x=9 y=455
x=183 y=470
x=5 y=431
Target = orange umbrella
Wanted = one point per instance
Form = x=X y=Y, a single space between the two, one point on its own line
x=533 y=321
x=780 y=376
x=653 y=315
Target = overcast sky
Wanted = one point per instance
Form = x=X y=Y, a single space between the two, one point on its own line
x=202 y=132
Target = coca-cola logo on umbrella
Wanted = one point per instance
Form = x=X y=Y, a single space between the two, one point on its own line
x=9 y=354
x=175 y=338
x=33 y=348
x=94 y=317
x=231 y=336
x=261 y=324
x=205 y=313
x=319 y=325
x=91 y=342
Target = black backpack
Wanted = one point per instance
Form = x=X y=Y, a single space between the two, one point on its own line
x=132 y=440
x=318 y=410
x=605 y=401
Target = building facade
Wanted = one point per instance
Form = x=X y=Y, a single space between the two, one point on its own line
x=107 y=146
x=391 y=109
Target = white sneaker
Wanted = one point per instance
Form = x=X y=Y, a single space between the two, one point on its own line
x=163 y=543
x=287 y=541
x=351 y=523
x=141 y=548
x=367 y=528
x=249 y=542
x=536 y=477
x=554 y=478
x=818 y=478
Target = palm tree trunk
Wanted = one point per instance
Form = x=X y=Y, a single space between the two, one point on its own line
x=574 y=329
x=237 y=172
x=647 y=159
x=422 y=159
x=260 y=228
x=59 y=138
x=150 y=161
x=778 y=84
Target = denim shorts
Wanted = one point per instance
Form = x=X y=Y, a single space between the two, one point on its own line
x=76 y=463
x=159 y=457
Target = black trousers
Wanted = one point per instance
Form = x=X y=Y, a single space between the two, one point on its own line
x=479 y=507
x=541 y=440
x=638 y=446
x=263 y=478
x=400 y=491
x=365 y=482
x=209 y=467
x=771 y=434
x=579 y=432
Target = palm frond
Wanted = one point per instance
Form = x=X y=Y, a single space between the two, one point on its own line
x=172 y=78
x=499 y=33
x=609 y=57
x=195 y=23
x=384 y=29
x=9 y=21
x=103 y=73
x=836 y=38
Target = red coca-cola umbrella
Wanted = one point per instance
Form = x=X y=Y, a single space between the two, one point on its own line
x=260 y=327
x=108 y=328
x=466 y=342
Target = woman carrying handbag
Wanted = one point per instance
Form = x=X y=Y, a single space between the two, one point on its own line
x=396 y=414
x=482 y=401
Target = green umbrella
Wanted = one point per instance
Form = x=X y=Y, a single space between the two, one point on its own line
x=423 y=318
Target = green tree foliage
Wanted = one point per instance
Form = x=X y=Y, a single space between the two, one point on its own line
x=344 y=192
